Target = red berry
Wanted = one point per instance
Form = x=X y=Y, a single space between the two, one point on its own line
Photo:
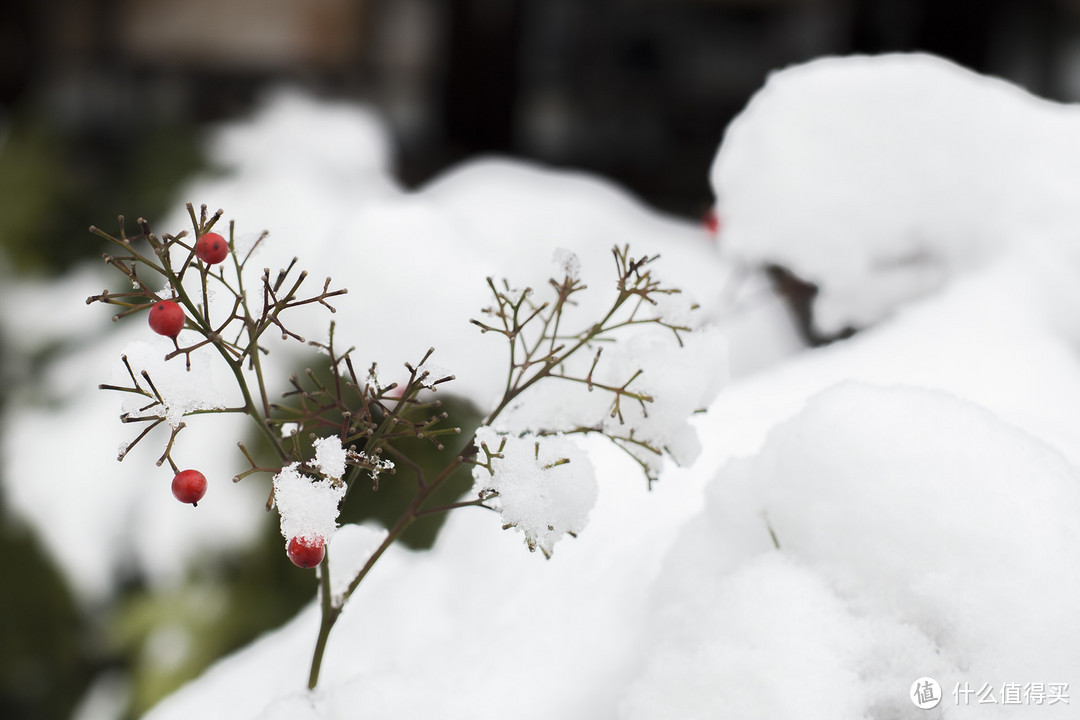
x=189 y=486
x=306 y=552
x=211 y=248
x=167 y=318
x=712 y=221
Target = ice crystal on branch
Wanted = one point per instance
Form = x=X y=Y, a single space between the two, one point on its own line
x=567 y=263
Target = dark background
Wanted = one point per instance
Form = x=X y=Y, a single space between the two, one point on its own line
x=103 y=103
x=637 y=90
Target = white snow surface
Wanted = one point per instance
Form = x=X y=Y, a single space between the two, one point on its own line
x=898 y=505
x=347 y=143
x=891 y=174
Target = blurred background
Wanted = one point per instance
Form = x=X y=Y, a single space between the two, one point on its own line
x=104 y=104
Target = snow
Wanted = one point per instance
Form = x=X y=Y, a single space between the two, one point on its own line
x=330 y=456
x=308 y=506
x=585 y=601
x=640 y=389
x=918 y=513
x=517 y=214
x=352 y=546
x=107 y=698
x=766 y=626
x=179 y=391
x=855 y=599
x=344 y=142
x=841 y=522
x=543 y=487
x=376 y=465
x=430 y=375
x=893 y=174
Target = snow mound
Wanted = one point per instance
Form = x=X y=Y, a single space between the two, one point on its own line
x=291 y=130
x=914 y=530
x=891 y=174
x=519 y=214
x=297 y=167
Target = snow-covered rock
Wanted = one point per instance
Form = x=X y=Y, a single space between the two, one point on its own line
x=879 y=178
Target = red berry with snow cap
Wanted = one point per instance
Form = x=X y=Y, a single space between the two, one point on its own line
x=189 y=486
x=167 y=318
x=306 y=552
x=211 y=248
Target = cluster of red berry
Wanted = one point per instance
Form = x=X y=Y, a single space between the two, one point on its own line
x=167 y=318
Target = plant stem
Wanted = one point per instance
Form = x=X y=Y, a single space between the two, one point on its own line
x=329 y=617
x=330 y=611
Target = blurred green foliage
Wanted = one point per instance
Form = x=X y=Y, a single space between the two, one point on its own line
x=169 y=637
x=46 y=659
x=54 y=183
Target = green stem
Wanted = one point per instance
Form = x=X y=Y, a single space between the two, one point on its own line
x=330 y=611
x=249 y=403
x=329 y=617
x=253 y=344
